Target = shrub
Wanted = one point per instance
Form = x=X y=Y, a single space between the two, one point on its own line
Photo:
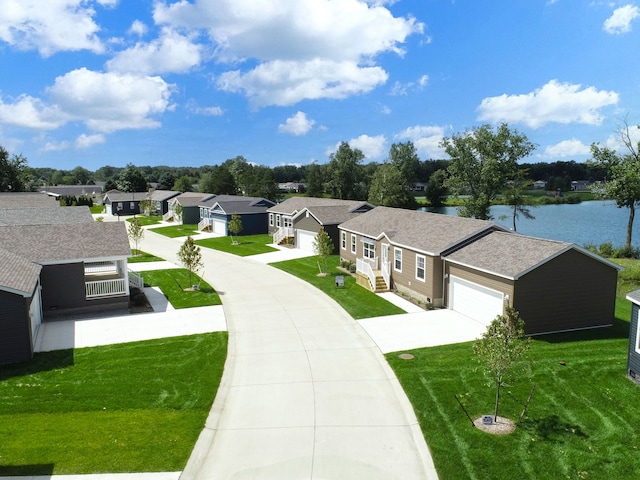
x=606 y=249
x=352 y=268
x=627 y=252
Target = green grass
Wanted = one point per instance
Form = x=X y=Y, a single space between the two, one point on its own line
x=140 y=257
x=97 y=209
x=173 y=281
x=146 y=220
x=356 y=300
x=581 y=423
x=122 y=408
x=174 y=231
x=247 y=245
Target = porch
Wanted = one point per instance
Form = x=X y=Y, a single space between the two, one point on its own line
x=284 y=235
x=106 y=279
x=373 y=274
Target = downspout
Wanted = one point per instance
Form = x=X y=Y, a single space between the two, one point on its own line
x=444 y=281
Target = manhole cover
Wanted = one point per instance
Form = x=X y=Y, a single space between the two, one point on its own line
x=406 y=356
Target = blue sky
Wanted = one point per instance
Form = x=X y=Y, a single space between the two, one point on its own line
x=189 y=83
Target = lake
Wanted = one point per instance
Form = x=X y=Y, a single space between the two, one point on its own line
x=593 y=222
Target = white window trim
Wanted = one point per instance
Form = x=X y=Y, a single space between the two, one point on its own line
x=638 y=333
x=271 y=219
x=396 y=249
x=343 y=240
x=424 y=269
x=372 y=250
x=278 y=221
x=354 y=243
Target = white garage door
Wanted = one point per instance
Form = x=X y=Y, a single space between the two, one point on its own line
x=475 y=301
x=304 y=240
x=219 y=226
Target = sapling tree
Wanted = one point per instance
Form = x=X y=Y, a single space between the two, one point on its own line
x=191 y=257
x=501 y=348
x=178 y=210
x=235 y=226
x=135 y=232
x=322 y=247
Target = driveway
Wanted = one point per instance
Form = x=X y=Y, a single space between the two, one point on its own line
x=305 y=393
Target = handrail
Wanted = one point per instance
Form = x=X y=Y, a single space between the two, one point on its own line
x=282 y=233
x=136 y=280
x=167 y=216
x=362 y=266
x=204 y=223
x=105 y=288
x=386 y=273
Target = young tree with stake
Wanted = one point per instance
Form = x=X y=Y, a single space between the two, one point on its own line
x=191 y=257
x=136 y=233
x=322 y=247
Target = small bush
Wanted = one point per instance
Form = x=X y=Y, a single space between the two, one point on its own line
x=627 y=252
x=352 y=268
x=606 y=249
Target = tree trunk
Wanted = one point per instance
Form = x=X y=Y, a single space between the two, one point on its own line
x=632 y=214
x=495 y=414
x=515 y=214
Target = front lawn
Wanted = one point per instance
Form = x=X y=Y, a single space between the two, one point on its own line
x=146 y=220
x=247 y=245
x=140 y=257
x=582 y=420
x=136 y=407
x=173 y=283
x=356 y=300
x=175 y=231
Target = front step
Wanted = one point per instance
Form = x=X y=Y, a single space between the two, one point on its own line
x=381 y=285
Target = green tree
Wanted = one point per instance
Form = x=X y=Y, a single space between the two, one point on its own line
x=436 y=190
x=314 y=181
x=623 y=184
x=219 y=181
x=131 y=180
x=191 y=257
x=501 y=348
x=12 y=168
x=166 y=181
x=183 y=184
x=235 y=227
x=515 y=196
x=389 y=189
x=322 y=247
x=146 y=206
x=481 y=162
x=345 y=173
x=178 y=210
x=136 y=233
x=404 y=157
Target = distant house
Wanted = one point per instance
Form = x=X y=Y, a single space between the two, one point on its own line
x=476 y=267
x=419 y=186
x=123 y=203
x=633 y=360
x=56 y=260
x=216 y=213
x=292 y=187
x=580 y=185
x=160 y=201
x=297 y=220
x=190 y=203
x=539 y=184
x=94 y=192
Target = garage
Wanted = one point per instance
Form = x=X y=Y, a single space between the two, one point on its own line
x=475 y=301
x=218 y=226
x=304 y=240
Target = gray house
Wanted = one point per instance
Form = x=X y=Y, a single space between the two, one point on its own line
x=216 y=213
x=190 y=203
x=633 y=360
x=123 y=203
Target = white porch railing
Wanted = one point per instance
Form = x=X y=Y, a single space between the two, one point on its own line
x=282 y=233
x=204 y=223
x=386 y=273
x=363 y=267
x=100 y=267
x=135 y=279
x=168 y=216
x=105 y=288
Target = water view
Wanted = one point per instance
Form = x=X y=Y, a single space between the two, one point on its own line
x=593 y=222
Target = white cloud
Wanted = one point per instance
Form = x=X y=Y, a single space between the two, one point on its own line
x=138 y=28
x=372 y=147
x=170 y=53
x=297 y=124
x=50 y=26
x=299 y=49
x=207 y=111
x=554 y=102
x=426 y=139
x=87 y=141
x=286 y=83
x=620 y=21
x=567 y=148
x=400 y=88
x=30 y=112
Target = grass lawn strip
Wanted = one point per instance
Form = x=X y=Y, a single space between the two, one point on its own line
x=581 y=423
x=356 y=300
x=146 y=220
x=173 y=283
x=247 y=245
x=132 y=407
x=142 y=257
x=175 y=231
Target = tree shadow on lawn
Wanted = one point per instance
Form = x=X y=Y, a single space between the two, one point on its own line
x=551 y=428
x=619 y=330
x=45 y=469
x=41 y=362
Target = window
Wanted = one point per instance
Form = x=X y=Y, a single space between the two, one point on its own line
x=369 y=249
x=119 y=206
x=353 y=243
x=397 y=259
x=421 y=273
x=278 y=221
x=287 y=222
x=271 y=219
x=343 y=240
x=132 y=205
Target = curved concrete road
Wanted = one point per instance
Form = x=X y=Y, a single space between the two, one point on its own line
x=306 y=394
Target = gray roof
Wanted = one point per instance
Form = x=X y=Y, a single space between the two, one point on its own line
x=76 y=190
x=294 y=204
x=27 y=200
x=44 y=215
x=117 y=196
x=161 y=195
x=18 y=274
x=431 y=233
x=330 y=214
x=634 y=297
x=60 y=243
x=192 y=199
x=238 y=204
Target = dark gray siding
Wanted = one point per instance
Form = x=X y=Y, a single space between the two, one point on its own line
x=572 y=291
x=62 y=286
x=253 y=223
x=15 y=330
x=633 y=363
x=190 y=215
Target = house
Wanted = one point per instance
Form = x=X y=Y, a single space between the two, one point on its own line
x=47 y=269
x=123 y=203
x=216 y=213
x=297 y=220
x=160 y=201
x=26 y=199
x=190 y=203
x=539 y=184
x=292 y=187
x=94 y=192
x=476 y=267
x=633 y=360
x=580 y=185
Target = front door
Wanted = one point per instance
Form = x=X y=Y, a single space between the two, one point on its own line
x=385 y=253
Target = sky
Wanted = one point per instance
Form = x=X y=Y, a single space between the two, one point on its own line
x=195 y=82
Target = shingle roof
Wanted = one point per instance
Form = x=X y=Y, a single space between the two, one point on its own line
x=509 y=255
x=161 y=195
x=17 y=273
x=57 y=243
x=192 y=199
x=115 y=196
x=72 y=189
x=431 y=233
x=44 y=215
x=238 y=204
x=295 y=204
x=330 y=214
x=26 y=200
x=634 y=297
